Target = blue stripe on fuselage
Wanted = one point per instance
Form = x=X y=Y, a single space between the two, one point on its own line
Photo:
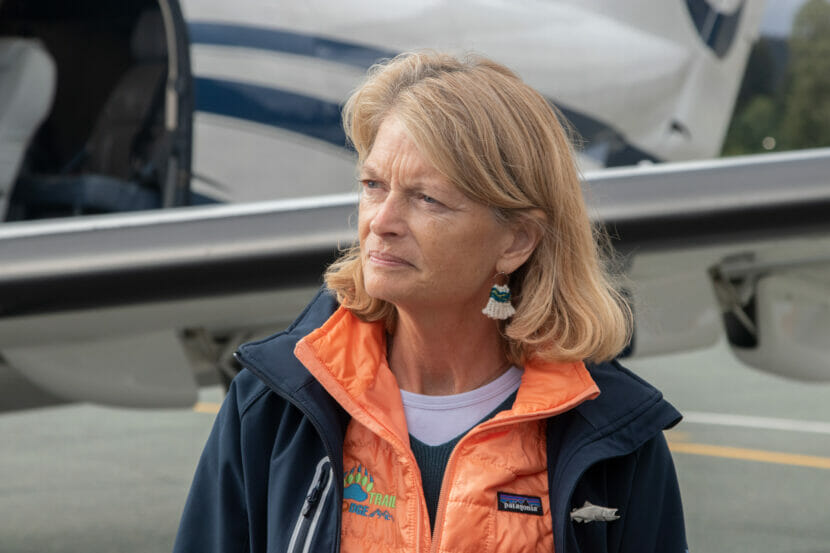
x=270 y=106
x=279 y=40
x=320 y=119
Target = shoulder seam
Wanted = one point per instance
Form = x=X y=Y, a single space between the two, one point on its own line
x=247 y=405
x=653 y=398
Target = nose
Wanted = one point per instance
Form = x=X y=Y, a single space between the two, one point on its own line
x=388 y=218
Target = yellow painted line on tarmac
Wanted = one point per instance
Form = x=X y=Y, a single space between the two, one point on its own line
x=757 y=455
x=677 y=435
x=208 y=407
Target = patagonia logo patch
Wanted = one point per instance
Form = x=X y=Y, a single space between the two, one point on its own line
x=515 y=503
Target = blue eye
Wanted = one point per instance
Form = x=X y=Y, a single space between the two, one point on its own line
x=428 y=199
x=370 y=184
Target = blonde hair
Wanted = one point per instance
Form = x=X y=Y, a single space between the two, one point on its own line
x=502 y=144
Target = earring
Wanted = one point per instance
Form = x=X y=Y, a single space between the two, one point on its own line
x=498 y=306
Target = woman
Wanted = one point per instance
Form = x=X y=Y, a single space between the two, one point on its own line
x=435 y=395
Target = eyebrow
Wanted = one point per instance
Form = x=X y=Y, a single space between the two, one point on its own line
x=368 y=171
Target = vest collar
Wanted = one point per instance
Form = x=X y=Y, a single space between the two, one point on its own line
x=347 y=356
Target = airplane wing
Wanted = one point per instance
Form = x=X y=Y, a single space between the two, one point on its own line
x=140 y=309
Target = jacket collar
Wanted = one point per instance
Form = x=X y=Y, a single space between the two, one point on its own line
x=626 y=400
x=272 y=358
x=348 y=358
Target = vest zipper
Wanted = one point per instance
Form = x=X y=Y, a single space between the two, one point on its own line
x=306 y=524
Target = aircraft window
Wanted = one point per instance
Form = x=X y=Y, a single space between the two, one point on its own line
x=717 y=30
x=103 y=147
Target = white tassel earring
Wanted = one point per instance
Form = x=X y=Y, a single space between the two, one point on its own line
x=498 y=306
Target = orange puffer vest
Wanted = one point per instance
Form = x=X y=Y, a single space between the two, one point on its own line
x=494 y=496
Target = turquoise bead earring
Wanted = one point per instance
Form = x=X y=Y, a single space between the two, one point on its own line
x=498 y=305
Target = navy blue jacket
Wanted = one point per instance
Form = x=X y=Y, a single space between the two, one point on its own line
x=270 y=477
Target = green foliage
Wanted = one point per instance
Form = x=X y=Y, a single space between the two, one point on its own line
x=759 y=77
x=797 y=114
x=758 y=120
x=807 y=120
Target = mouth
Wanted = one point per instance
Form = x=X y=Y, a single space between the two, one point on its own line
x=386 y=259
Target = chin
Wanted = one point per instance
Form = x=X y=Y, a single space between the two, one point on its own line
x=380 y=290
x=388 y=289
x=381 y=285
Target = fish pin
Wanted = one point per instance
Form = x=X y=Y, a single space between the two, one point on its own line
x=590 y=513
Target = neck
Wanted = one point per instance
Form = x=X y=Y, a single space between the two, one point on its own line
x=444 y=353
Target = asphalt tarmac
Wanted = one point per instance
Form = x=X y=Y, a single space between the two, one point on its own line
x=753 y=459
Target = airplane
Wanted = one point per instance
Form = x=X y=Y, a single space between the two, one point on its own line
x=133 y=105
x=145 y=306
x=139 y=309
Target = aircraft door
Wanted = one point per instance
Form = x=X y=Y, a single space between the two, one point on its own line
x=178 y=106
x=117 y=136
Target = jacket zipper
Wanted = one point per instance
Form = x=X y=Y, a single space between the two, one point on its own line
x=400 y=447
x=326 y=445
x=306 y=524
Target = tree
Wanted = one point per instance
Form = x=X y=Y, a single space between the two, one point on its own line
x=759 y=106
x=792 y=112
x=753 y=127
x=806 y=123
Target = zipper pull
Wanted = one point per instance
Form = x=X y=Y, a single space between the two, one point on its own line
x=313 y=497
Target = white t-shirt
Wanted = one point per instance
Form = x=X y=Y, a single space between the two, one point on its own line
x=435 y=420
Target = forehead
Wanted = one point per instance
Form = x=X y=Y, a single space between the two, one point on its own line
x=394 y=150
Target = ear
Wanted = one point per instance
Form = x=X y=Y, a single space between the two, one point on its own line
x=525 y=234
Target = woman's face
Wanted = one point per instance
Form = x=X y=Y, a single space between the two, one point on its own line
x=423 y=243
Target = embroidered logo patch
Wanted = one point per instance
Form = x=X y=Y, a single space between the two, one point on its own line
x=360 y=497
x=526 y=504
